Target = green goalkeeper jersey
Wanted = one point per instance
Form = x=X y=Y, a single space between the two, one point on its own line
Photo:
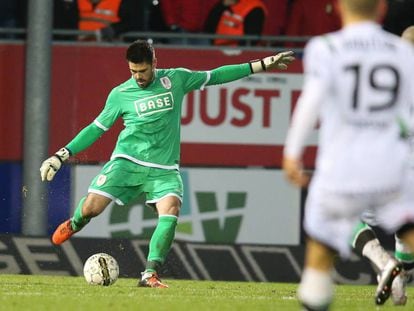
x=152 y=115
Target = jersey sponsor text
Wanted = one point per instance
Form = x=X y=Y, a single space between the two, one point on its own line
x=154 y=104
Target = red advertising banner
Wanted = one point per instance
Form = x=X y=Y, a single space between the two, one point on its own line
x=242 y=123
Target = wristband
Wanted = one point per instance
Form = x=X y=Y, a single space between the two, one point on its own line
x=257 y=65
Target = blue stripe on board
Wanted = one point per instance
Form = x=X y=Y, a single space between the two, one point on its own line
x=10 y=197
x=11 y=200
x=59 y=198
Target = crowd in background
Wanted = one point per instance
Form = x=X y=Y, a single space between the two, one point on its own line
x=110 y=19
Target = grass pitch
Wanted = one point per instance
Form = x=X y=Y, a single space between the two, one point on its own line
x=35 y=292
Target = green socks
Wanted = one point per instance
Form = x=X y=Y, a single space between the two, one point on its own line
x=159 y=245
x=161 y=242
x=78 y=221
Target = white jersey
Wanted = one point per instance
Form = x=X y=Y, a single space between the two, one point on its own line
x=359 y=82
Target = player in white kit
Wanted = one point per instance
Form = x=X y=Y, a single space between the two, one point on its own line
x=359 y=83
x=365 y=242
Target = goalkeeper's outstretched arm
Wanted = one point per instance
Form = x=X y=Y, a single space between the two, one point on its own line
x=82 y=141
x=230 y=73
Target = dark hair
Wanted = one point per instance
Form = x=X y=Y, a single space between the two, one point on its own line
x=140 y=51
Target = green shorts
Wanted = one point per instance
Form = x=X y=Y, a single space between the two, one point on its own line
x=123 y=181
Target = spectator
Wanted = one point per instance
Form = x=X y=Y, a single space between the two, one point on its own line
x=156 y=18
x=183 y=16
x=8 y=17
x=95 y=15
x=311 y=18
x=238 y=18
x=133 y=16
x=128 y=16
x=65 y=16
x=399 y=16
x=276 y=25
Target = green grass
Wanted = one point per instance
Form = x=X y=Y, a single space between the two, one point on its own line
x=35 y=292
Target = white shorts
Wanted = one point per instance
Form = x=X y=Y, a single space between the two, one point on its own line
x=330 y=218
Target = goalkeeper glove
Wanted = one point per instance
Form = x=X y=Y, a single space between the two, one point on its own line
x=51 y=165
x=278 y=61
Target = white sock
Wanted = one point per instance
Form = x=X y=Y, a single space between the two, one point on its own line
x=316 y=288
x=376 y=253
x=146 y=275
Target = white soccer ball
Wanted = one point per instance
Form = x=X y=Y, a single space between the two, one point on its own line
x=101 y=269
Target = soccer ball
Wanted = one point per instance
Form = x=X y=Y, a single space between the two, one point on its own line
x=101 y=269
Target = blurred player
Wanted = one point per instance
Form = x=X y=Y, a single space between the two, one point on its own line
x=147 y=154
x=359 y=82
x=366 y=243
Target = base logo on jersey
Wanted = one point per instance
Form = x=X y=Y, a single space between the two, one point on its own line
x=101 y=180
x=154 y=104
x=166 y=82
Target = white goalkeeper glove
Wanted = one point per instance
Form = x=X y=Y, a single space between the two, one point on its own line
x=278 y=61
x=52 y=165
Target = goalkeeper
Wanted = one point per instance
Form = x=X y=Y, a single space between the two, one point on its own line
x=147 y=154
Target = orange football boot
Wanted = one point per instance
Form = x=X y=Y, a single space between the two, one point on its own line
x=63 y=232
x=152 y=281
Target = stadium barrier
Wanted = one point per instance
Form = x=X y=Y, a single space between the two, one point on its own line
x=186 y=260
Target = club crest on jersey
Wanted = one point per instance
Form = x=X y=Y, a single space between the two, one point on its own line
x=101 y=180
x=166 y=82
x=154 y=104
